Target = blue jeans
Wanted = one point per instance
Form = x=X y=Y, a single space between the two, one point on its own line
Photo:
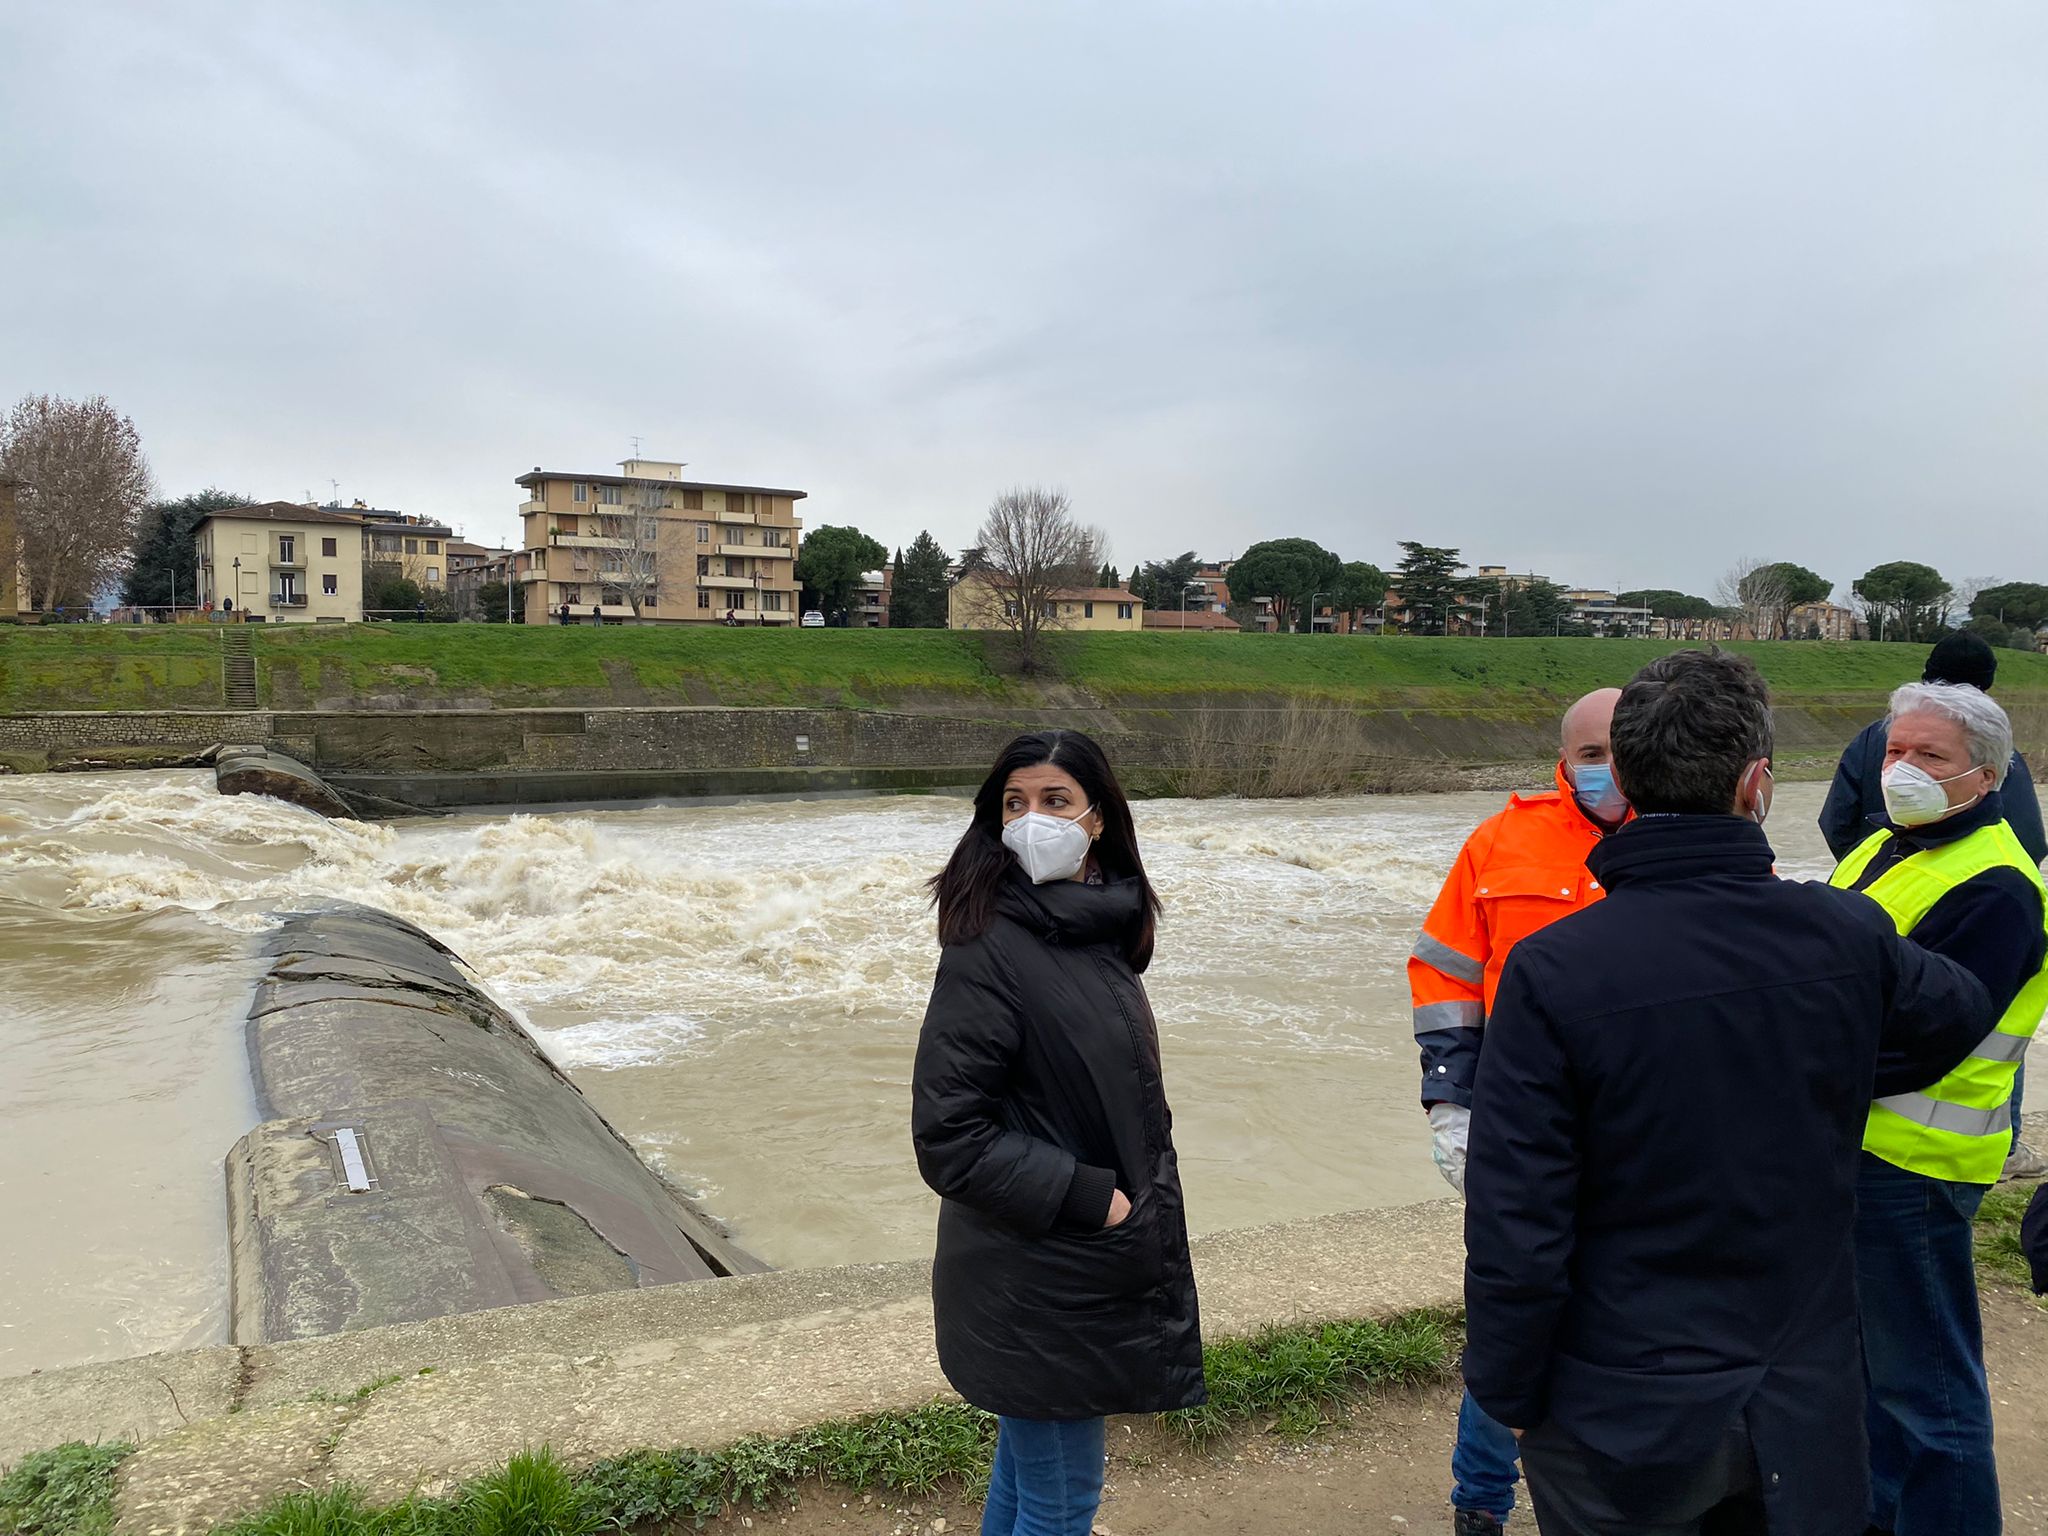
x=1931 y=1466
x=1483 y=1463
x=1047 y=1479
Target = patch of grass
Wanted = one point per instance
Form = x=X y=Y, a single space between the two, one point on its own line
x=531 y=1495
x=67 y=1491
x=1301 y=1377
x=1298 y=1377
x=2000 y=1259
x=95 y=666
x=108 y=666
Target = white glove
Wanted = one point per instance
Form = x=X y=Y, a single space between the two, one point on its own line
x=1450 y=1125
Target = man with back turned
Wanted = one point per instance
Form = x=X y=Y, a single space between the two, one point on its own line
x=1661 y=1182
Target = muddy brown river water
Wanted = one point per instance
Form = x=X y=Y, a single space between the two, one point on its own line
x=738 y=987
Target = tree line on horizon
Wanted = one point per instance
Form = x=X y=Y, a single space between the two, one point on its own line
x=90 y=522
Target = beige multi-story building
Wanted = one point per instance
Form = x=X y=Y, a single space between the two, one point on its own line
x=645 y=544
x=973 y=602
x=283 y=563
x=406 y=545
x=1823 y=621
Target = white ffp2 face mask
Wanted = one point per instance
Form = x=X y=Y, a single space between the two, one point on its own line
x=1913 y=798
x=1049 y=847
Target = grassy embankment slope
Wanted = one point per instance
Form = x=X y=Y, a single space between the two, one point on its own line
x=101 y=667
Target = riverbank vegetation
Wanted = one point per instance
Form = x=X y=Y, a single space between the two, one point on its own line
x=312 y=666
x=1292 y=1381
x=1297 y=1378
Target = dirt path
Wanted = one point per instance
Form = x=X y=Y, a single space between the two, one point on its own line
x=1387 y=1470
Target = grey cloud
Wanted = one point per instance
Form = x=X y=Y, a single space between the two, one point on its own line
x=1621 y=292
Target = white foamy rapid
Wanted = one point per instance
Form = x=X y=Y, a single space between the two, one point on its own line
x=739 y=986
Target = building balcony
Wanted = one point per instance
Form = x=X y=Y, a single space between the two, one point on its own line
x=287 y=562
x=587 y=541
x=287 y=599
x=741 y=519
x=716 y=579
x=539 y=573
x=526 y=508
x=754 y=551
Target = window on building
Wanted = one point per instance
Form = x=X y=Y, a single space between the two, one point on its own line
x=433 y=546
x=693 y=501
x=433 y=573
x=1087 y=610
x=772 y=601
x=610 y=495
x=580 y=491
x=330 y=583
x=327 y=548
x=1123 y=610
x=703 y=565
x=1009 y=608
x=703 y=598
x=703 y=530
x=285 y=545
x=412 y=546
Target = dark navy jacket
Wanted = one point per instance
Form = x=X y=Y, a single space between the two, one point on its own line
x=1662 y=1174
x=1855 y=805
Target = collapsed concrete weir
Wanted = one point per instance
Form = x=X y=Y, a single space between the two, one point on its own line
x=421 y=1155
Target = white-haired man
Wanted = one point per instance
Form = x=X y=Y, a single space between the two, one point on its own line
x=1951 y=874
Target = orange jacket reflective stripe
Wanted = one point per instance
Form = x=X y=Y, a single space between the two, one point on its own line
x=1520 y=870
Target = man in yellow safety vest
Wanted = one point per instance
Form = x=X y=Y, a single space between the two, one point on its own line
x=1950 y=872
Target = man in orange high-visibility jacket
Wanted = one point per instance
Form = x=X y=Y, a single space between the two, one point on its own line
x=1522 y=869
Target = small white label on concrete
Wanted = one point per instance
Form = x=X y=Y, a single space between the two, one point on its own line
x=803 y=743
x=352 y=1166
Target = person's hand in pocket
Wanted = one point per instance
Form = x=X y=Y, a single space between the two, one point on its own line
x=1119 y=1209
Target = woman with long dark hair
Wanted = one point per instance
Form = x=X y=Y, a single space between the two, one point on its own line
x=1062 y=1286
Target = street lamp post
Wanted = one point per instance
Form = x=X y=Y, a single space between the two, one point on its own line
x=236 y=580
x=1312 y=610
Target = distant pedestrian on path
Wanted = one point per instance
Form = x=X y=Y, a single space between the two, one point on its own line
x=1660 y=1280
x=565 y=614
x=1062 y=1286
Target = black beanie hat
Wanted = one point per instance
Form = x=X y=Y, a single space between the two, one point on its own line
x=1961 y=658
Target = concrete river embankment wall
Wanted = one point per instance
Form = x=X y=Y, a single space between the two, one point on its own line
x=387 y=763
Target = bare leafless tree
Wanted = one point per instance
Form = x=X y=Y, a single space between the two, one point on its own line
x=631 y=564
x=1031 y=548
x=1756 y=590
x=84 y=484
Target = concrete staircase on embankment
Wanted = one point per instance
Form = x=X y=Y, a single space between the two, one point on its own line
x=238 y=668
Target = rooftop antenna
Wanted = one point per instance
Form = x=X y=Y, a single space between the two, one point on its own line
x=337 y=491
x=636 y=447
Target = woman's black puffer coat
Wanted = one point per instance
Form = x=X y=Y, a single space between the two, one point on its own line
x=1037 y=1093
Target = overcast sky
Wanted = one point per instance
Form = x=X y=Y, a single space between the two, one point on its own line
x=1620 y=292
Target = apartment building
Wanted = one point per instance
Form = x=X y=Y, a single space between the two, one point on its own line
x=645 y=544
x=469 y=566
x=407 y=545
x=870 y=606
x=1823 y=621
x=282 y=562
x=974 y=603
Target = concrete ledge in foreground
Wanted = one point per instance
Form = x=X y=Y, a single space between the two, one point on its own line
x=699 y=1364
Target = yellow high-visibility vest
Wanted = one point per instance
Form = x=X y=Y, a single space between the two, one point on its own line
x=1959 y=1128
